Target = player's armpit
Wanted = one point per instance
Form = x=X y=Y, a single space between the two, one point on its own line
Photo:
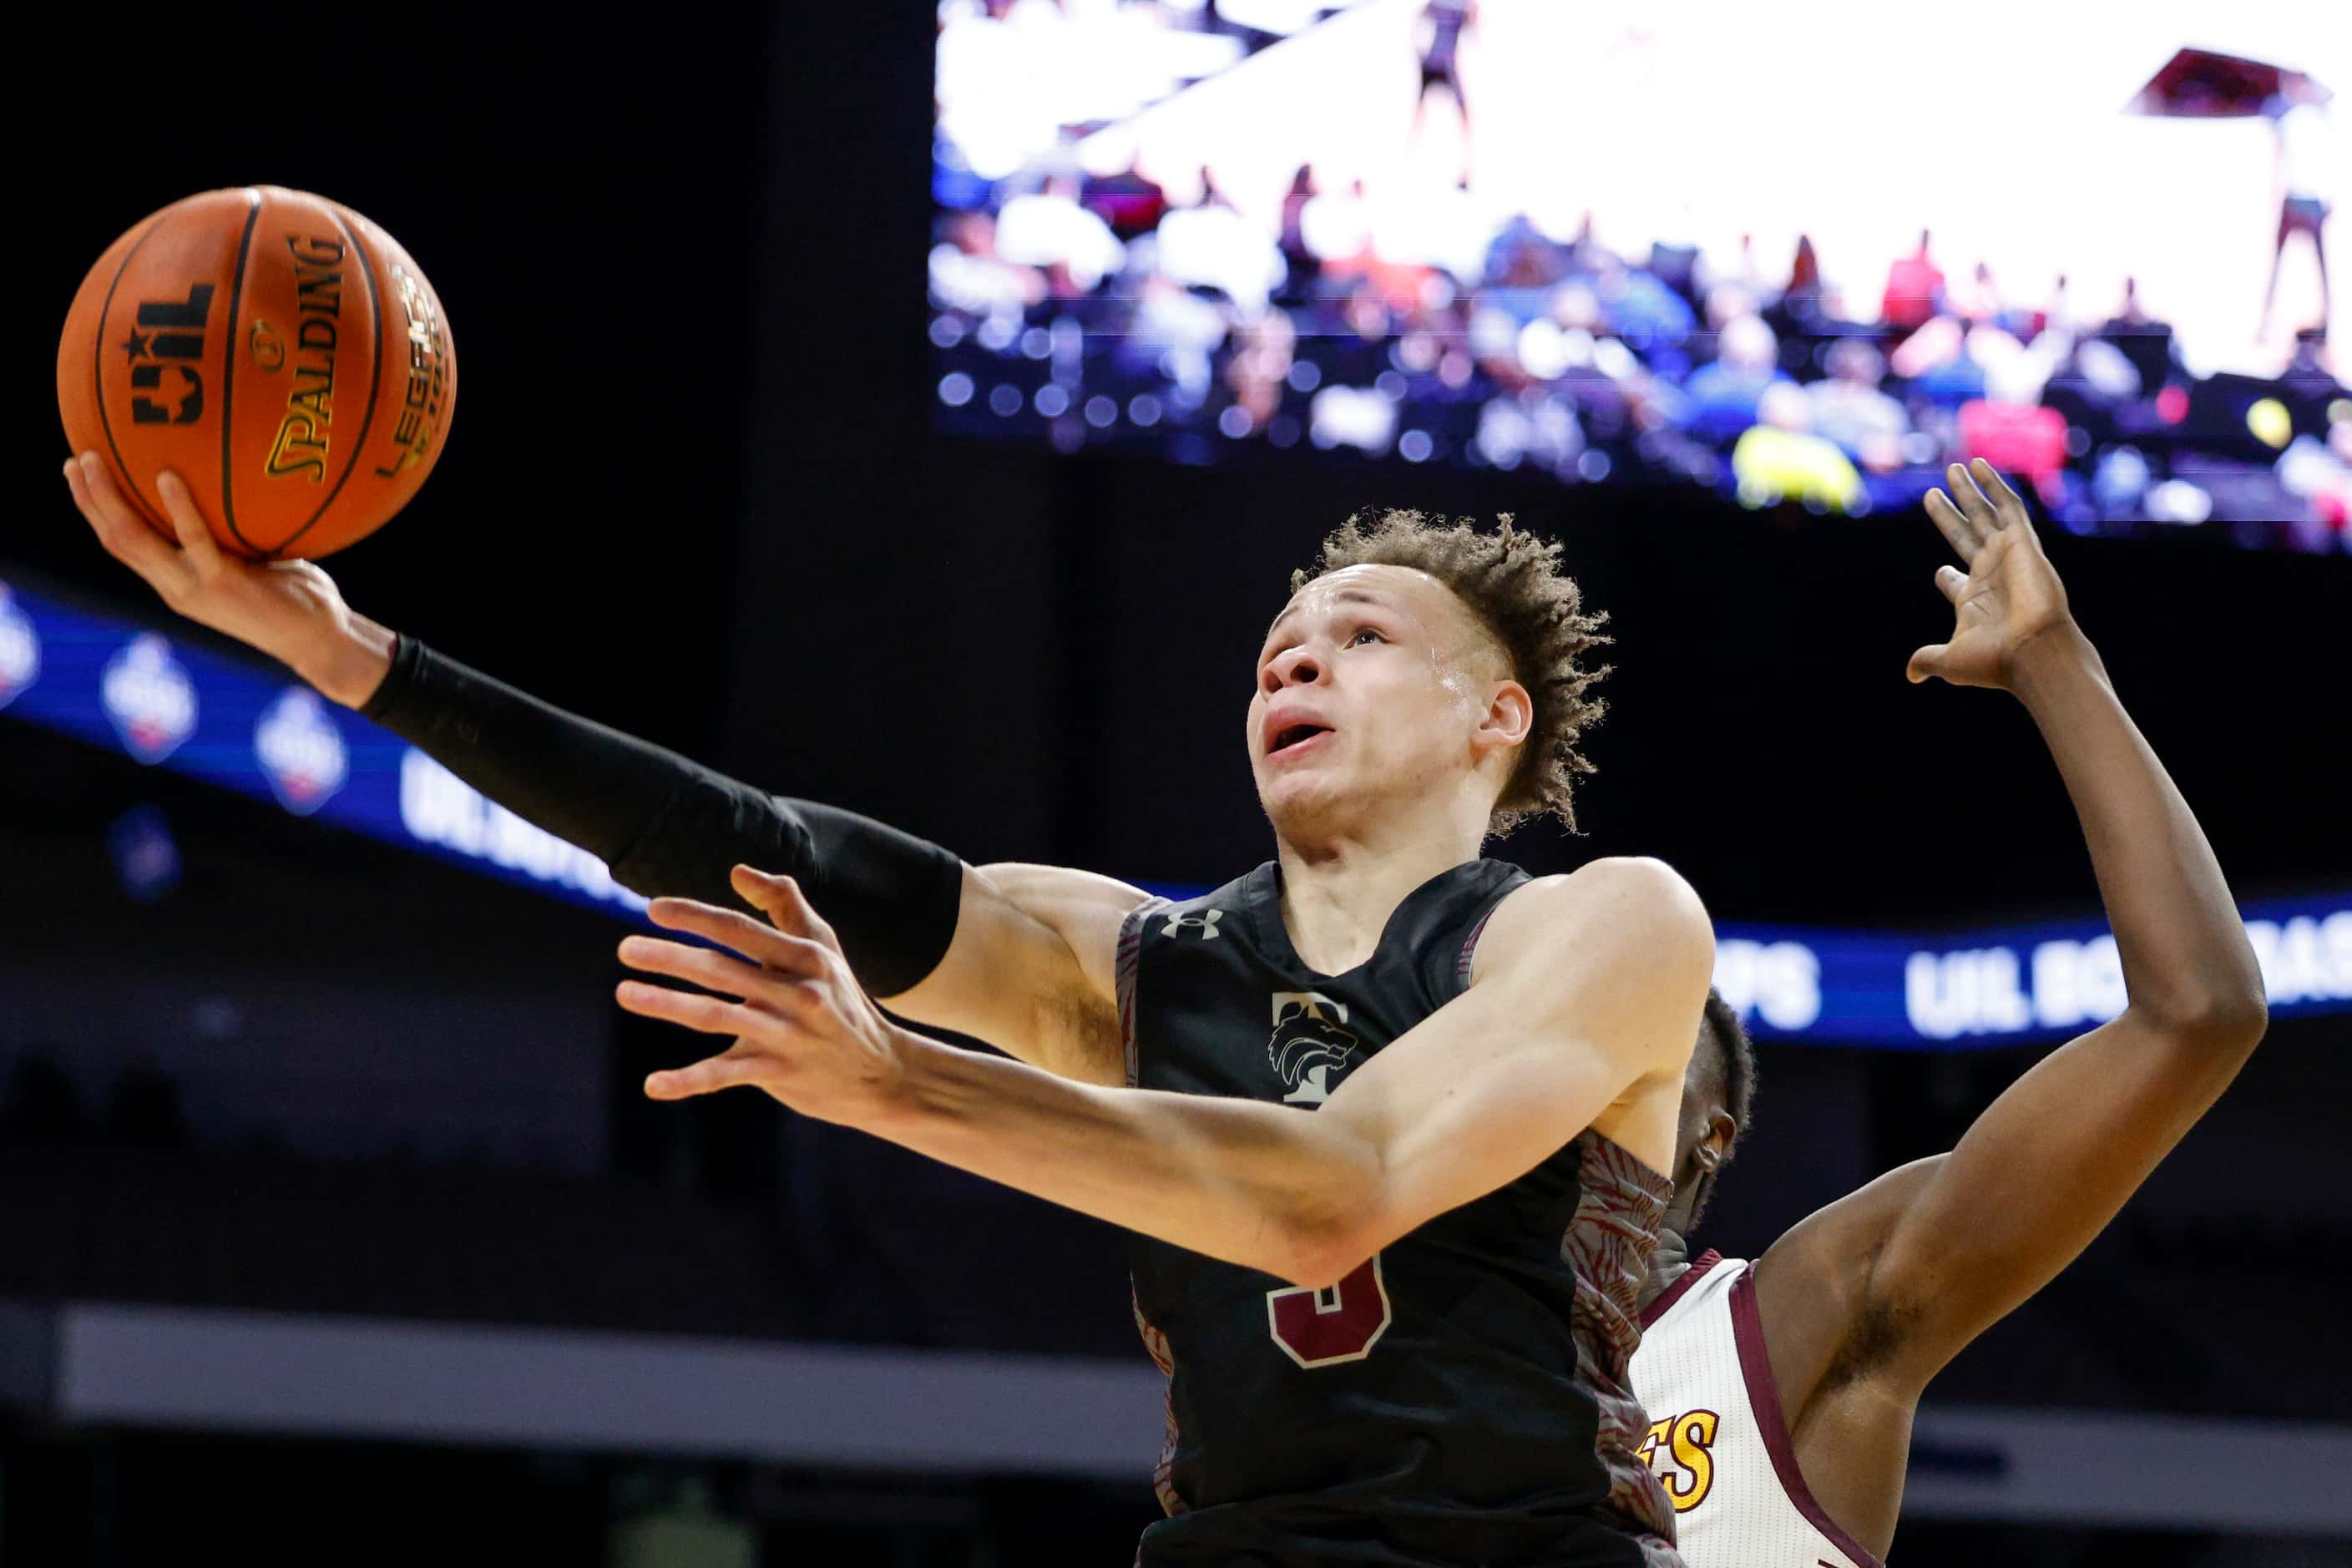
x=1583 y=1009
x=1032 y=969
x=1821 y=1326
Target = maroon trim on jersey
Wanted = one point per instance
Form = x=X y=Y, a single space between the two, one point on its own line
x=1764 y=1399
x=1128 y=959
x=1672 y=1293
x=1155 y=1343
x=1470 y=948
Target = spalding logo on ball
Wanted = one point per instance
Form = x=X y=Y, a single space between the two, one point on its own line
x=281 y=353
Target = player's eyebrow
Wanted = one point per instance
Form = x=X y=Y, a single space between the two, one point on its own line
x=1339 y=596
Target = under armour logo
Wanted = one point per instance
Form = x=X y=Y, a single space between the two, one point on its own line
x=1309 y=1045
x=1206 y=924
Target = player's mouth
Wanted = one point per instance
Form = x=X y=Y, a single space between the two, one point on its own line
x=1297 y=739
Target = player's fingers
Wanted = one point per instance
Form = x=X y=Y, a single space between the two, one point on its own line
x=730 y=1070
x=121 y=531
x=781 y=900
x=1971 y=500
x=1951 y=524
x=1925 y=662
x=1952 y=581
x=715 y=971
x=2008 y=506
x=188 y=525
x=702 y=966
x=689 y=1010
x=731 y=928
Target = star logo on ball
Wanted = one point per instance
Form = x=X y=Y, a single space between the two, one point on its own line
x=133 y=346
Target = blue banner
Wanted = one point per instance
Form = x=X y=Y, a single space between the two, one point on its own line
x=236 y=723
x=242 y=725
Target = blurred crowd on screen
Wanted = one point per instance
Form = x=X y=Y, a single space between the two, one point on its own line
x=1092 y=309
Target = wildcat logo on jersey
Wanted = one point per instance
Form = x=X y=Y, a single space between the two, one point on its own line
x=1309 y=1045
x=1680 y=1449
x=1206 y=924
x=149 y=698
x=301 y=750
x=20 y=650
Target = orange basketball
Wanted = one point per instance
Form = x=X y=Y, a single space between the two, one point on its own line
x=278 y=351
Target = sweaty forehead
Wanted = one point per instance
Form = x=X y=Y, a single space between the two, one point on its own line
x=1404 y=589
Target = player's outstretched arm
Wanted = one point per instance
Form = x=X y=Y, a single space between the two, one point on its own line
x=1021 y=954
x=1582 y=1013
x=1920 y=1262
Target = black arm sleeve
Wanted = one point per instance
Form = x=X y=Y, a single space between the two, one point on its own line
x=666 y=826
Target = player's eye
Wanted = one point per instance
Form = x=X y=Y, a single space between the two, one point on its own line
x=1364 y=632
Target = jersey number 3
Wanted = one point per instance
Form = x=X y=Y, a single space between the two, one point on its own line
x=1323 y=1328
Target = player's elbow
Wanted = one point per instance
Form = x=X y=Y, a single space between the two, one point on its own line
x=1328 y=1235
x=1318 y=1259
x=2223 y=1023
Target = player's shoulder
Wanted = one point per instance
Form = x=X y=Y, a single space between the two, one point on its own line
x=1635 y=901
x=1846 y=1236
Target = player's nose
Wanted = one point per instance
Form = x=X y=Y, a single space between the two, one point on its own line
x=1292 y=667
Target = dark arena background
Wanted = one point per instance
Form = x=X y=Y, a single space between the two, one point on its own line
x=334 y=1227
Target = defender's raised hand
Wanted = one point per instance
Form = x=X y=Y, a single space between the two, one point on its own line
x=289 y=610
x=2008 y=596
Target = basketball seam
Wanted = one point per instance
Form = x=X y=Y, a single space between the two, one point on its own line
x=376 y=377
x=98 y=367
x=229 y=376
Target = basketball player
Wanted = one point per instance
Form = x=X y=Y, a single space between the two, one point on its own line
x=1395 y=1329
x=1782 y=1390
x=1437 y=39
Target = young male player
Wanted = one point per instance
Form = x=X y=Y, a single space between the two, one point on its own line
x=1395 y=1329
x=1782 y=1390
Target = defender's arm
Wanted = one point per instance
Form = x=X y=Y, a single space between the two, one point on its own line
x=1899 y=1277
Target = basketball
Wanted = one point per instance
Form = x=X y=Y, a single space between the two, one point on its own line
x=278 y=351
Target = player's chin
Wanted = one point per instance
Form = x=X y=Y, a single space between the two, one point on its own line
x=1296 y=798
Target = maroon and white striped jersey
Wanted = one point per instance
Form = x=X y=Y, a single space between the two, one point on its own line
x=1717 y=1438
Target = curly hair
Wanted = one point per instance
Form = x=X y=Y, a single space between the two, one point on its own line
x=1512 y=582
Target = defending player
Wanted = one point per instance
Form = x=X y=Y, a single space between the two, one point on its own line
x=1396 y=1329
x=1784 y=1389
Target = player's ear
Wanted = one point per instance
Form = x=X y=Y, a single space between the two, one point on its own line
x=1714 y=1144
x=1510 y=715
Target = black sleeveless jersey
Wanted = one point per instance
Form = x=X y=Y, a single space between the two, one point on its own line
x=1459 y=1400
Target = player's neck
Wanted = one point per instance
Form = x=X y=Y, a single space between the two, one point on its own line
x=1669 y=1263
x=1338 y=895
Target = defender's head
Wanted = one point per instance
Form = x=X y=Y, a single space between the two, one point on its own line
x=1719 y=1099
x=1422 y=663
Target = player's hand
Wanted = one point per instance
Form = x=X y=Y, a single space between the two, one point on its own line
x=805 y=1029
x=2010 y=598
x=289 y=610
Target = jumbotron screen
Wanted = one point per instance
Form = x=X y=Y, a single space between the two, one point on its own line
x=1803 y=254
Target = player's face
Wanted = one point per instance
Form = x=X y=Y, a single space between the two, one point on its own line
x=1371 y=685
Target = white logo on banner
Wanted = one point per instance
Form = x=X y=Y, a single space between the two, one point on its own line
x=301 y=750
x=20 y=650
x=149 y=698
